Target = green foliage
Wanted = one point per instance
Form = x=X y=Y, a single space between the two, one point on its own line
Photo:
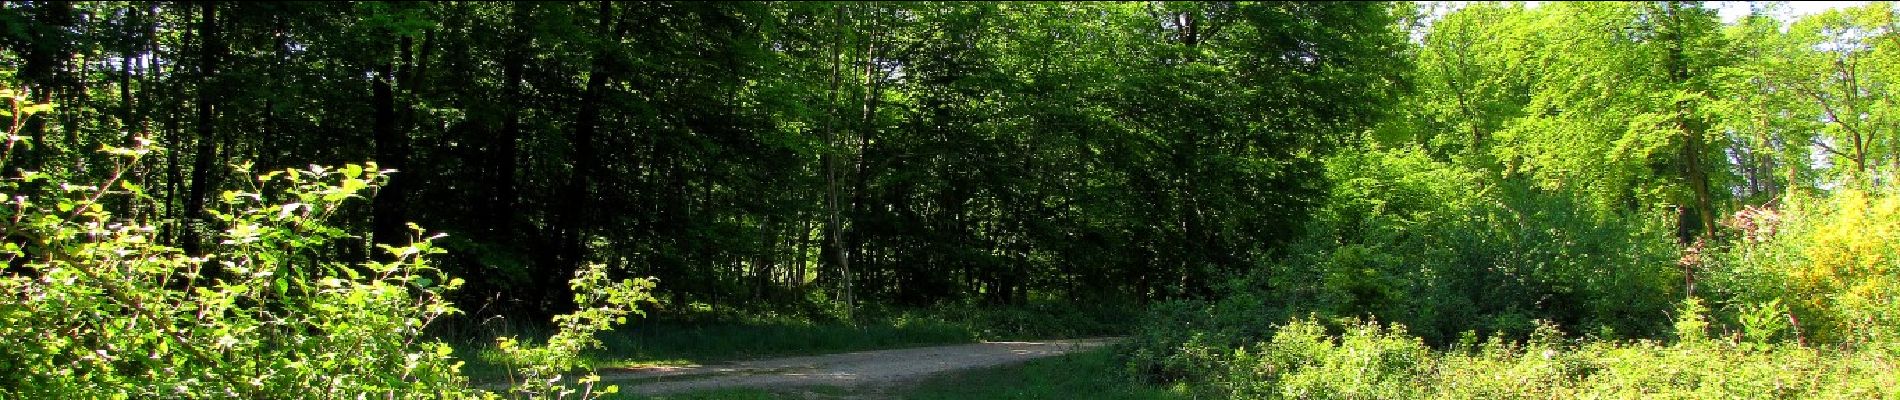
x=1819 y=267
x=1440 y=249
x=1805 y=274
x=1839 y=68
x=1510 y=168
x=101 y=311
x=1035 y=321
x=603 y=304
x=1184 y=339
x=1367 y=360
x=1533 y=182
x=766 y=157
x=97 y=308
x=1692 y=324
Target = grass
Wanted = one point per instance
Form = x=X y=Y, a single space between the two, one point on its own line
x=1095 y=374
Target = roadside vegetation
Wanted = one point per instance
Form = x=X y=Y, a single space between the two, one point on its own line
x=1518 y=242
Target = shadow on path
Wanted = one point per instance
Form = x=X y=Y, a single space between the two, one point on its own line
x=864 y=368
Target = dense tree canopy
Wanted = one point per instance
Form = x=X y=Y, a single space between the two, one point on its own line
x=910 y=153
x=753 y=154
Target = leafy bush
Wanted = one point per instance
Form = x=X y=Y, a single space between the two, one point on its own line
x=97 y=307
x=1432 y=246
x=1367 y=360
x=1824 y=268
x=1443 y=249
x=1301 y=361
x=1186 y=339
x=1426 y=245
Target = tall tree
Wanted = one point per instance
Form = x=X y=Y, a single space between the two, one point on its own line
x=205 y=161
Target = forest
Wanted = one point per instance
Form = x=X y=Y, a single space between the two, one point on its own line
x=1352 y=200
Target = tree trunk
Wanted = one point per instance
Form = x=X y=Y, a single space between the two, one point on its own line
x=502 y=205
x=796 y=278
x=1693 y=132
x=387 y=214
x=204 y=161
x=169 y=135
x=833 y=227
x=128 y=108
x=41 y=71
x=576 y=207
x=867 y=132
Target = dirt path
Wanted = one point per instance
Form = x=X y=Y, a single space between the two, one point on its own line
x=866 y=368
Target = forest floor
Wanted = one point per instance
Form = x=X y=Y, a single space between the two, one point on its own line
x=867 y=371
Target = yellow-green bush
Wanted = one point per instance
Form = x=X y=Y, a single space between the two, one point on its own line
x=97 y=307
x=1831 y=262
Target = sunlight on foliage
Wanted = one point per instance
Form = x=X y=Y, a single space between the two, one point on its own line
x=98 y=308
x=1355 y=359
x=1831 y=260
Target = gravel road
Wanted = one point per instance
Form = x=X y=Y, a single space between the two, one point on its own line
x=865 y=368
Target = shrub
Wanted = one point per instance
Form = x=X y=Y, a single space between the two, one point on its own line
x=1441 y=248
x=1825 y=267
x=1421 y=244
x=1367 y=360
x=97 y=307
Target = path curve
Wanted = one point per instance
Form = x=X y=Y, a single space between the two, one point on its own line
x=865 y=368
